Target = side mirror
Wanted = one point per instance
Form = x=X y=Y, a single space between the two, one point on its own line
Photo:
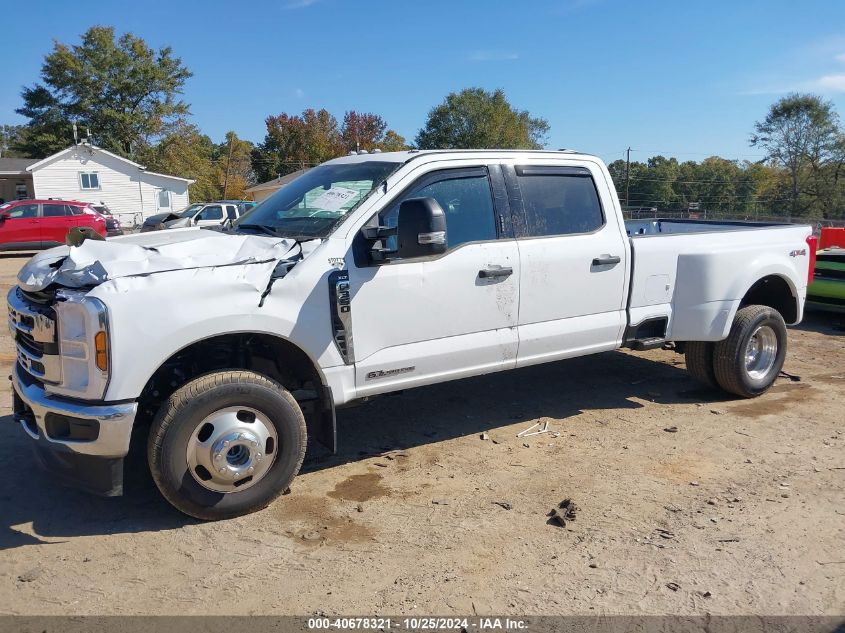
x=421 y=228
x=4 y=215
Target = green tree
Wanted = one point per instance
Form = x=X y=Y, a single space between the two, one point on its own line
x=188 y=153
x=123 y=91
x=11 y=139
x=476 y=118
x=233 y=167
x=801 y=134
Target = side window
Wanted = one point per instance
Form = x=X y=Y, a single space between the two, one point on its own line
x=211 y=213
x=24 y=211
x=231 y=210
x=73 y=210
x=466 y=200
x=561 y=203
x=89 y=180
x=54 y=210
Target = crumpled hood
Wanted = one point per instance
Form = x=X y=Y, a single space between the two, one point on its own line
x=96 y=261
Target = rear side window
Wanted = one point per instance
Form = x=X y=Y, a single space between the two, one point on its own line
x=559 y=201
x=55 y=210
x=74 y=210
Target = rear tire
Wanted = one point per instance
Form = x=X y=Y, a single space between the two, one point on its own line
x=226 y=444
x=750 y=359
x=699 y=359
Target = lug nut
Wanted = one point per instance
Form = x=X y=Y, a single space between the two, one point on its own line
x=222 y=471
x=218 y=456
x=254 y=443
x=251 y=469
x=226 y=443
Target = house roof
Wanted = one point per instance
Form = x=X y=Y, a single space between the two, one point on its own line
x=154 y=173
x=91 y=146
x=38 y=164
x=15 y=166
x=276 y=183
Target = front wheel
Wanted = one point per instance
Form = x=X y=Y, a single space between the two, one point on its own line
x=226 y=444
x=750 y=359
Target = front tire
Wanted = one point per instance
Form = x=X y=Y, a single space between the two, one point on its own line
x=750 y=359
x=226 y=444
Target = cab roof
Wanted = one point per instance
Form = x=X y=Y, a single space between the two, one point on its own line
x=408 y=155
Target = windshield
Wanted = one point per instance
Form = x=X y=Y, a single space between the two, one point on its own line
x=314 y=203
x=187 y=212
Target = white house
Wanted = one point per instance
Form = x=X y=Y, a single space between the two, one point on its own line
x=89 y=173
x=266 y=189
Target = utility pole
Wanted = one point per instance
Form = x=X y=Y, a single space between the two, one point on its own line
x=228 y=162
x=627 y=175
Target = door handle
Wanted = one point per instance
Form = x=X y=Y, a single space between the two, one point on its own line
x=604 y=260
x=498 y=271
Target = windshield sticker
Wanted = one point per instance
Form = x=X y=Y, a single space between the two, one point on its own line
x=334 y=199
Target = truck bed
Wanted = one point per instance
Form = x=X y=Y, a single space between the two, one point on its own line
x=658 y=226
x=696 y=273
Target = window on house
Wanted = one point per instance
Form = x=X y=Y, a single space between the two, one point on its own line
x=163 y=199
x=89 y=180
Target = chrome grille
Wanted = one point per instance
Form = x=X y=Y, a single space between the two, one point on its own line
x=33 y=327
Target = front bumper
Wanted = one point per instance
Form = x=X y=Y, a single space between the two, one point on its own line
x=83 y=444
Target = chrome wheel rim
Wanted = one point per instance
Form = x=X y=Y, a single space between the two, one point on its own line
x=232 y=449
x=761 y=351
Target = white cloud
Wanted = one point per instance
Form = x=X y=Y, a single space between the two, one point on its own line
x=831 y=83
x=840 y=58
x=299 y=93
x=492 y=56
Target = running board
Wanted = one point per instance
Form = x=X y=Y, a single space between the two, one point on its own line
x=642 y=344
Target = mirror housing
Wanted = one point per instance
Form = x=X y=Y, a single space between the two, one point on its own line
x=421 y=228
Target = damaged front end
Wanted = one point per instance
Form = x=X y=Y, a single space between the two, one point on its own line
x=88 y=321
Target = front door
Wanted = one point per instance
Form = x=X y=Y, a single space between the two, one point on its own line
x=572 y=262
x=430 y=319
x=22 y=228
x=211 y=215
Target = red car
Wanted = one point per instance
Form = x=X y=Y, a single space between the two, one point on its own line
x=35 y=224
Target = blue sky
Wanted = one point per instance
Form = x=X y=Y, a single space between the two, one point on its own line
x=679 y=78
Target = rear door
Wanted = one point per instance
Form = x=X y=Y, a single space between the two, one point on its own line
x=572 y=262
x=22 y=227
x=56 y=220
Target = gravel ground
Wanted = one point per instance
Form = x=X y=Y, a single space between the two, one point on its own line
x=434 y=505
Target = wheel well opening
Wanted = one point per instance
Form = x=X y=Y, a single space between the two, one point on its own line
x=773 y=291
x=265 y=354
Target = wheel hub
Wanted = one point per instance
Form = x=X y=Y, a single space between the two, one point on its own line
x=232 y=449
x=761 y=352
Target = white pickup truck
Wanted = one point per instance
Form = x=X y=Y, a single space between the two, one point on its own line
x=369 y=274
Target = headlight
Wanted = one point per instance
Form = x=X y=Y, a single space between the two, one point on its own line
x=83 y=335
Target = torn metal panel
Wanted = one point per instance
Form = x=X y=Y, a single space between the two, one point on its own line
x=94 y=262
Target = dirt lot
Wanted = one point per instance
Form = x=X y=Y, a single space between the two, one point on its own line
x=743 y=508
